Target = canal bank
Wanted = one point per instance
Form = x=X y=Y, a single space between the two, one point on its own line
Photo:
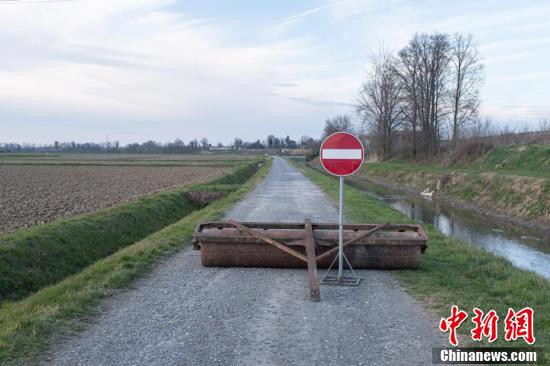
x=507 y=222
x=510 y=184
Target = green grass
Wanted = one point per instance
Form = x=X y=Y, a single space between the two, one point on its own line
x=27 y=326
x=43 y=255
x=528 y=161
x=518 y=158
x=454 y=272
x=380 y=168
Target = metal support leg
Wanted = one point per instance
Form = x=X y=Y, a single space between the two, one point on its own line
x=340 y=279
x=341 y=232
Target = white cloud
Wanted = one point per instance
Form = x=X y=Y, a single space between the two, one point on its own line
x=139 y=65
x=137 y=60
x=287 y=24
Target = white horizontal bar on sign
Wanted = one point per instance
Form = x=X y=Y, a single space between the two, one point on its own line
x=341 y=154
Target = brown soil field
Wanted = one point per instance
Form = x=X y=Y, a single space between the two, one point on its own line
x=122 y=157
x=31 y=195
x=213 y=160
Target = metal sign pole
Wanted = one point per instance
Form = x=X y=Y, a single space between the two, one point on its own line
x=341 y=154
x=341 y=232
x=340 y=279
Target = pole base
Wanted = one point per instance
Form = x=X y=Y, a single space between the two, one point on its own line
x=340 y=281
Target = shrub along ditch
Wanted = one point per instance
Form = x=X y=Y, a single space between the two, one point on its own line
x=42 y=255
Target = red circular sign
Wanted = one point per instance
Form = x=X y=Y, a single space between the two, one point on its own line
x=342 y=153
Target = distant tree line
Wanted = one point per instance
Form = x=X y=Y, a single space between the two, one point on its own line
x=477 y=137
x=152 y=147
x=148 y=147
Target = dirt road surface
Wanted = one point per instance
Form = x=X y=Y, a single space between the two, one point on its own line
x=184 y=314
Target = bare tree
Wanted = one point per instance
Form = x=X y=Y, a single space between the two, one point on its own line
x=482 y=128
x=204 y=143
x=431 y=55
x=466 y=76
x=380 y=102
x=270 y=141
x=194 y=144
x=436 y=57
x=290 y=143
x=544 y=125
x=340 y=123
x=237 y=143
x=410 y=72
x=306 y=141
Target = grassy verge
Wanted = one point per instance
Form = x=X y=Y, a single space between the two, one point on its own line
x=454 y=272
x=526 y=161
x=26 y=326
x=532 y=158
x=42 y=255
x=430 y=168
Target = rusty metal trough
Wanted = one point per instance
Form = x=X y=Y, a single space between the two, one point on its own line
x=231 y=244
x=293 y=245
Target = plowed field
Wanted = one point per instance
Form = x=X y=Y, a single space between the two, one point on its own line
x=31 y=195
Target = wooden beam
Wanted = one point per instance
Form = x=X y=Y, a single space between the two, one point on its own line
x=309 y=242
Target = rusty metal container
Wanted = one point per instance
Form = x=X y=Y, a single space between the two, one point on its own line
x=395 y=246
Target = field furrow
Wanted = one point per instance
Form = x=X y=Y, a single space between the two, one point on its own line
x=31 y=195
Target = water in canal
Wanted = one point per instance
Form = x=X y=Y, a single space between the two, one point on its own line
x=524 y=249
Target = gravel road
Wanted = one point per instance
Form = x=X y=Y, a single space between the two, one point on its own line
x=184 y=314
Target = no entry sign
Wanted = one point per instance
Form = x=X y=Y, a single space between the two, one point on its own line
x=342 y=154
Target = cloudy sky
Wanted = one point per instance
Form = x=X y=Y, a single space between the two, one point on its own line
x=157 y=69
